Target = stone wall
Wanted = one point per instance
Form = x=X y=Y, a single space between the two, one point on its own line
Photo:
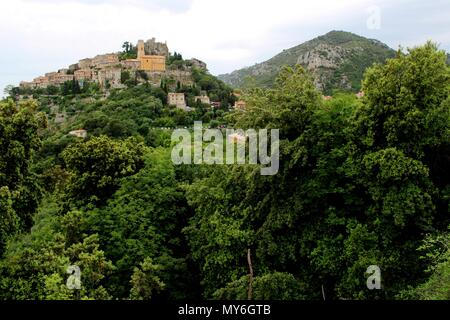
x=156 y=48
x=176 y=99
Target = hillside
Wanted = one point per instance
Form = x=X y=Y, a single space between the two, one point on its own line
x=88 y=182
x=337 y=60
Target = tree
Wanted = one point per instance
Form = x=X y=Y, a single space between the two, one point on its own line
x=19 y=187
x=35 y=267
x=436 y=250
x=145 y=282
x=52 y=90
x=142 y=222
x=354 y=188
x=98 y=165
x=124 y=76
x=8 y=90
x=274 y=286
x=126 y=46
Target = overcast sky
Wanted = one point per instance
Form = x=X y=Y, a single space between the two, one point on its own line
x=39 y=36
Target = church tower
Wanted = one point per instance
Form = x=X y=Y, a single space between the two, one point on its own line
x=140 y=49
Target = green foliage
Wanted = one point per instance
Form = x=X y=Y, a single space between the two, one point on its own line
x=174 y=59
x=361 y=182
x=274 y=286
x=406 y=98
x=217 y=90
x=52 y=90
x=97 y=166
x=346 y=55
x=145 y=282
x=143 y=220
x=436 y=250
x=35 y=265
x=19 y=188
x=353 y=189
x=70 y=88
x=125 y=76
x=9 y=221
x=129 y=51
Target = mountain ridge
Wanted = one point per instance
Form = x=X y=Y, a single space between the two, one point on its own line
x=337 y=60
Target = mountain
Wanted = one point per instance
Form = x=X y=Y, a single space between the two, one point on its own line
x=337 y=60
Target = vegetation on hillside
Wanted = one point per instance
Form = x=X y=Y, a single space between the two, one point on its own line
x=361 y=182
x=344 y=55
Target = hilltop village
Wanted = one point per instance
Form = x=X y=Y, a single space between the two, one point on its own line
x=148 y=62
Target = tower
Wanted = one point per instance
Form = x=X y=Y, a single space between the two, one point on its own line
x=140 y=49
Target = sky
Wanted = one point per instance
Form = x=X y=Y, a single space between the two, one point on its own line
x=39 y=36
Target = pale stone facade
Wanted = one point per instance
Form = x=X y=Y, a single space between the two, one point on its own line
x=133 y=64
x=85 y=63
x=103 y=60
x=41 y=82
x=152 y=63
x=61 y=78
x=183 y=77
x=176 y=99
x=78 y=133
x=83 y=74
x=109 y=75
x=27 y=84
x=156 y=48
x=240 y=105
x=203 y=99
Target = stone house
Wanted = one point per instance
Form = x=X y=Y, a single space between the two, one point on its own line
x=176 y=99
x=203 y=99
x=83 y=74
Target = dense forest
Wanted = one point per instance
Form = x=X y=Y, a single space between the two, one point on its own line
x=361 y=182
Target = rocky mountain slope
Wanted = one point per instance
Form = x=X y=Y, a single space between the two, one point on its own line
x=337 y=60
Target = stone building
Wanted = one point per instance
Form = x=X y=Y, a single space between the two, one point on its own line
x=74 y=67
x=84 y=63
x=152 y=63
x=240 y=105
x=61 y=78
x=27 y=84
x=133 y=64
x=154 y=48
x=176 y=99
x=103 y=60
x=203 y=99
x=78 y=133
x=216 y=104
x=41 y=82
x=111 y=75
x=181 y=76
x=83 y=74
x=106 y=68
